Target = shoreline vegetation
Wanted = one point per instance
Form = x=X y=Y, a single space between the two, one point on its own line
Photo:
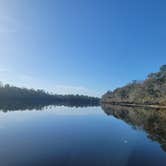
x=15 y=97
x=134 y=105
x=148 y=93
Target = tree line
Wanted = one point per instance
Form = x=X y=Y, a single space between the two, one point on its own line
x=13 y=93
x=150 y=91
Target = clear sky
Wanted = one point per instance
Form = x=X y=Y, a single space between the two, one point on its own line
x=80 y=46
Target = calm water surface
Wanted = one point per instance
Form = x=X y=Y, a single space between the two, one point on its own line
x=92 y=136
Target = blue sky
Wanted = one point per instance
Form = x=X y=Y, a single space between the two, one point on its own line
x=80 y=46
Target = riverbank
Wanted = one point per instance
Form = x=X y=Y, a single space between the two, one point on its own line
x=135 y=105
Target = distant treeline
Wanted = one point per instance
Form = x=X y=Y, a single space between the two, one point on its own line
x=14 y=95
x=15 y=105
x=151 y=91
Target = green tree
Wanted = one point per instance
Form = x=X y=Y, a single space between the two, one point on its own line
x=163 y=68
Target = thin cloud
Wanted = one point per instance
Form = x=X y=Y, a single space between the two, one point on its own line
x=9 y=24
x=3 y=70
x=68 y=89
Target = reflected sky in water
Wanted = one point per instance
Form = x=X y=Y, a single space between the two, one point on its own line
x=74 y=136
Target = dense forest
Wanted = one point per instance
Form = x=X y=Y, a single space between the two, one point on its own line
x=11 y=94
x=151 y=91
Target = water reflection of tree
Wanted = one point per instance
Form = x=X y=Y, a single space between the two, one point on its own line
x=153 y=121
x=14 y=105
